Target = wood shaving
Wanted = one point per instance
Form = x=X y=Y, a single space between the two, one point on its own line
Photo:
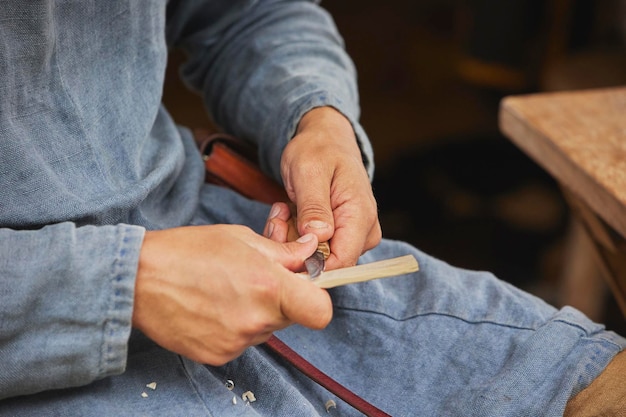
x=330 y=404
x=230 y=384
x=248 y=396
x=152 y=385
x=144 y=394
x=234 y=400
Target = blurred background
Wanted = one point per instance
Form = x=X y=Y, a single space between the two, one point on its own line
x=432 y=74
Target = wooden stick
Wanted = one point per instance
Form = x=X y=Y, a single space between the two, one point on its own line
x=365 y=272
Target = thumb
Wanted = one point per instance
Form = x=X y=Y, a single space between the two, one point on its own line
x=295 y=252
x=315 y=216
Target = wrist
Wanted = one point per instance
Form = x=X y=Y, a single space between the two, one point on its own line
x=145 y=271
x=324 y=117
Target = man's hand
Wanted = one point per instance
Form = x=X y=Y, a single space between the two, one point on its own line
x=324 y=176
x=209 y=292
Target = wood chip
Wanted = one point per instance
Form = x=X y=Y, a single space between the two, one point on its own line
x=248 y=396
x=152 y=385
x=330 y=404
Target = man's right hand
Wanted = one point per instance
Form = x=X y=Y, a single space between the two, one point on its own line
x=209 y=292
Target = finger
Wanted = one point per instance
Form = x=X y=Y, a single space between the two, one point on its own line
x=354 y=235
x=283 y=211
x=351 y=250
x=291 y=254
x=279 y=211
x=278 y=230
x=298 y=251
x=304 y=303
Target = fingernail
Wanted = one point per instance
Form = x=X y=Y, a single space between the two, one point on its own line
x=274 y=211
x=270 y=229
x=316 y=224
x=305 y=238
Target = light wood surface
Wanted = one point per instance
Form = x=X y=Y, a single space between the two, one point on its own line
x=579 y=137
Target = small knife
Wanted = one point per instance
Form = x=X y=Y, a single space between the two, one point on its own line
x=316 y=263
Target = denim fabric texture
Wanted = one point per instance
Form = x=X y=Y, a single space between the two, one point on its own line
x=90 y=160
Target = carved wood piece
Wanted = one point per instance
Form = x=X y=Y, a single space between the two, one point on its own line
x=366 y=272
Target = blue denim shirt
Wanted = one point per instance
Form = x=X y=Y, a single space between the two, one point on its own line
x=89 y=158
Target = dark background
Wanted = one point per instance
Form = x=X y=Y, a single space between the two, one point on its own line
x=431 y=75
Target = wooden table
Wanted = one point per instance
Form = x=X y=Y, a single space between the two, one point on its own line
x=579 y=137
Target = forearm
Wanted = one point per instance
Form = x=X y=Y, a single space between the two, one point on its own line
x=274 y=62
x=66 y=299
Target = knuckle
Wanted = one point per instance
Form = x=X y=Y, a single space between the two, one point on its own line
x=267 y=289
x=225 y=354
x=313 y=209
x=253 y=326
x=211 y=358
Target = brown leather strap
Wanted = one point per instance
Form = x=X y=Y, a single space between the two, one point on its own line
x=242 y=176
x=308 y=369
x=229 y=162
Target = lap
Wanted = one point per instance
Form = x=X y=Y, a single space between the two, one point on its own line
x=447 y=341
x=441 y=341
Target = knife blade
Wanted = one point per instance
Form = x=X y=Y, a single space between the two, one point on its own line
x=316 y=263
